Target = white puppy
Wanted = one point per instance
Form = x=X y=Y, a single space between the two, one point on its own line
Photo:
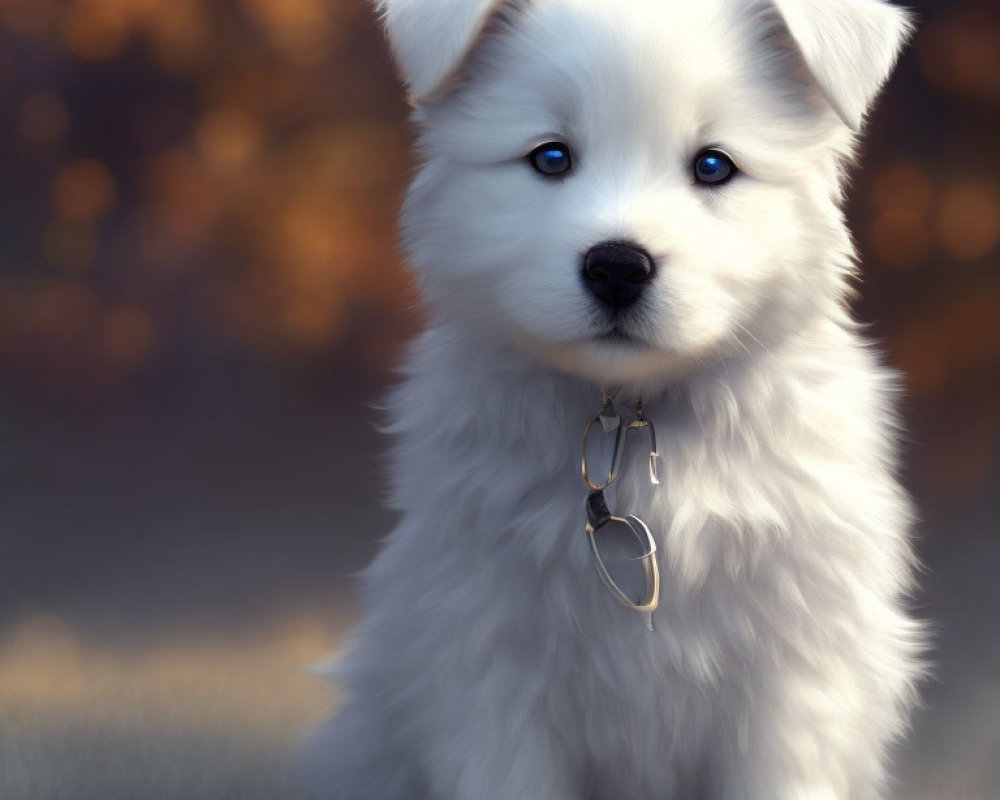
x=640 y=197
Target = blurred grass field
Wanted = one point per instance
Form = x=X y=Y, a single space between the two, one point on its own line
x=191 y=717
x=175 y=721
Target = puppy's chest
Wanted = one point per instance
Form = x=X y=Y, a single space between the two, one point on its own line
x=719 y=519
x=720 y=563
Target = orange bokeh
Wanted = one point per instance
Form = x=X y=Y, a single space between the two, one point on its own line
x=961 y=53
x=238 y=167
x=83 y=191
x=967 y=224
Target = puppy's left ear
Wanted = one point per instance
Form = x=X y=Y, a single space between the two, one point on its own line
x=431 y=38
x=849 y=46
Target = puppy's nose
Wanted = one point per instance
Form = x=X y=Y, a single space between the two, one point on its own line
x=616 y=272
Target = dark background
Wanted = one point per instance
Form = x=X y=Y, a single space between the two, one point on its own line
x=201 y=304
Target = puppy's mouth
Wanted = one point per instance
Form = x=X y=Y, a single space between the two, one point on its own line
x=617 y=334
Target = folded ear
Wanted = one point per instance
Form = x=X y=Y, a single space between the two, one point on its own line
x=849 y=46
x=430 y=38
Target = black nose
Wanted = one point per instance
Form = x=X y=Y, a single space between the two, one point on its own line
x=615 y=272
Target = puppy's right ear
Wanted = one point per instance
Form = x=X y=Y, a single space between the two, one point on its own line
x=431 y=38
x=849 y=47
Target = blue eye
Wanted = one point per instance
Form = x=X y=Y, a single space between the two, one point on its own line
x=713 y=167
x=551 y=158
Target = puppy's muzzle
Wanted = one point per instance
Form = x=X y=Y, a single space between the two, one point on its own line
x=616 y=272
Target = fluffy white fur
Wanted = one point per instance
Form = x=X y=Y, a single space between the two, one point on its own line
x=493 y=664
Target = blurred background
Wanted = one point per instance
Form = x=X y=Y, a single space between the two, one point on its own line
x=201 y=304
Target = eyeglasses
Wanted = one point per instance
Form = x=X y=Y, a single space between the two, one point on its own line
x=623 y=546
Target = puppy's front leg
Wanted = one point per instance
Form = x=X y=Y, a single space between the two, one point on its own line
x=506 y=764
x=806 y=739
x=774 y=767
x=498 y=756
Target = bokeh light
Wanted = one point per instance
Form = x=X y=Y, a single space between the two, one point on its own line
x=236 y=166
x=95 y=30
x=212 y=148
x=960 y=52
x=968 y=220
x=232 y=169
x=83 y=191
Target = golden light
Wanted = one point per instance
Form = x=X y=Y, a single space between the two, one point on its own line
x=95 y=30
x=173 y=713
x=967 y=224
x=228 y=137
x=308 y=236
x=83 y=191
x=363 y=156
x=42 y=119
x=301 y=29
x=181 y=34
x=308 y=320
x=184 y=198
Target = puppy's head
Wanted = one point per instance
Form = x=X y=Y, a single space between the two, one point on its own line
x=626 y=189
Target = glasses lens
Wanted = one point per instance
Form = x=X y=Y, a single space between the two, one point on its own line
x=601 y=451
x=644 y=425
x=625 y=554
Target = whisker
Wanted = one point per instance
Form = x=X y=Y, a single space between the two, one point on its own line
x=722 y=360
x=762 y=345
x=739 y=341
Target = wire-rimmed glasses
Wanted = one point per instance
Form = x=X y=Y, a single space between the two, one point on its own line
x=623 y=547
